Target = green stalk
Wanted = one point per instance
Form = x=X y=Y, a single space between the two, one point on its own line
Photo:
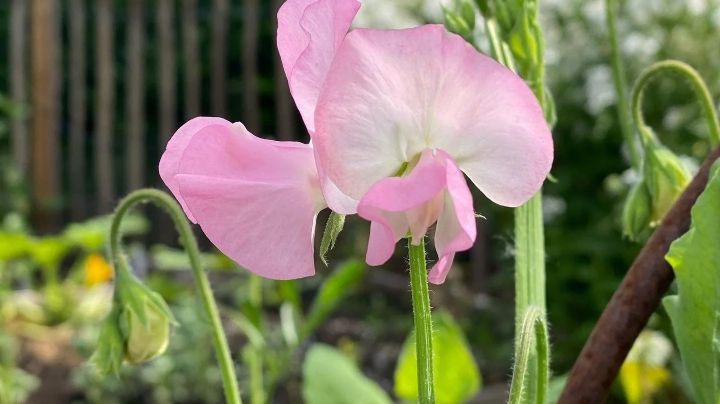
x=187 y=239
x=529 y=243
x=621 y=88
x=423 y=321
x=698 y=85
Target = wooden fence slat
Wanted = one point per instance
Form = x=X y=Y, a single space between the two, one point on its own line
x=18 y=81
x=105 y=105
x=46 y=73
x=135 y=97
x=167 y=76
x=251 y=112
x=218 y=57
x=191 y=59
x=78 y=114
x=284 y=110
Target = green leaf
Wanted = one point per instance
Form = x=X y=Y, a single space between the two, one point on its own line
x=332 y=378
x=457 y=377
x=13 y=245
x=92 y=234
x=335 y=288
x=694 y=311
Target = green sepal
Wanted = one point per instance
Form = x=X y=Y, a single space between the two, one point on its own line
x=636 y=212
x=666 y=178
x=110 y=350
x=333 y=228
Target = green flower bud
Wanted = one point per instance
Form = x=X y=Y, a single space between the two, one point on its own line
x=145 y=340
x=137 y=328
x=460 y=18
x=666 y=178
x=636 y=212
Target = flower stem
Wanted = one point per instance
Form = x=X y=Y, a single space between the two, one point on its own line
x=698 y=85
x=162 y=199
x=423 y=321
x=621 y=88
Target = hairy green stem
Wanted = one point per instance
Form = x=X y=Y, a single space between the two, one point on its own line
x=529 y=236
x=423 y=321
x=699 y=87
x=621 y=88
x=163 y=200
x=534 y=334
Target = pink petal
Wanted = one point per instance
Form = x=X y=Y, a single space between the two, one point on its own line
x=255 y=199
x=456 y=229
x=309 y=34
x=391 y=94
x=396 y=205
x=176 y=147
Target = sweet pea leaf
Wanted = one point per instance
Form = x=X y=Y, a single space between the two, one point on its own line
x=457 y=378
x=332 y=378
x=695 y=310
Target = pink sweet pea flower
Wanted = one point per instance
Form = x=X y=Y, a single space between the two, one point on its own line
x=424 y=104
x=419 y=102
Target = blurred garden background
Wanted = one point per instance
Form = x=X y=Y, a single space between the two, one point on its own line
x=90 y=92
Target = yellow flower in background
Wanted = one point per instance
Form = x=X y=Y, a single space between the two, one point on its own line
x=644 y=373
x=97 y=270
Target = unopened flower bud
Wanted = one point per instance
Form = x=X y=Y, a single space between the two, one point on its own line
x=636 y=212
x=138 y=327
x=666 y=178
x=145 y=340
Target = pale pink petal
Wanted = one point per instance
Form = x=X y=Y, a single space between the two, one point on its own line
x=456 y=228
x=387 y=203
x=391 y=94
x=255 y=199
x=176 y=147
x=309 y=34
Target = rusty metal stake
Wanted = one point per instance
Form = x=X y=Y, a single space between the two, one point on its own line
x=632 y=304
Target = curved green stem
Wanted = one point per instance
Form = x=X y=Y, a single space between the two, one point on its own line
x=533 y=334
x=698 y=85
x=163 y=200
x=621 y=88
x=423 y=321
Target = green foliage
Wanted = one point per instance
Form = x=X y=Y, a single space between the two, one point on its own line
x=92 y=234
x=330 y=377
x=457 y=377
x=335 y=288
x=695 y=310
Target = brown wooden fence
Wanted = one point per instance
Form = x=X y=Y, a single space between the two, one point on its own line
x=108 y=81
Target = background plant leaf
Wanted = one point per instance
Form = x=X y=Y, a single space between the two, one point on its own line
x=330 y=377
x=457 y=378
x=695 y=258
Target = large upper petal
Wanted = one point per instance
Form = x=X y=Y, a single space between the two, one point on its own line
x=309 y=34
x=255 y=199
x=392 y=93
x=176 y=147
